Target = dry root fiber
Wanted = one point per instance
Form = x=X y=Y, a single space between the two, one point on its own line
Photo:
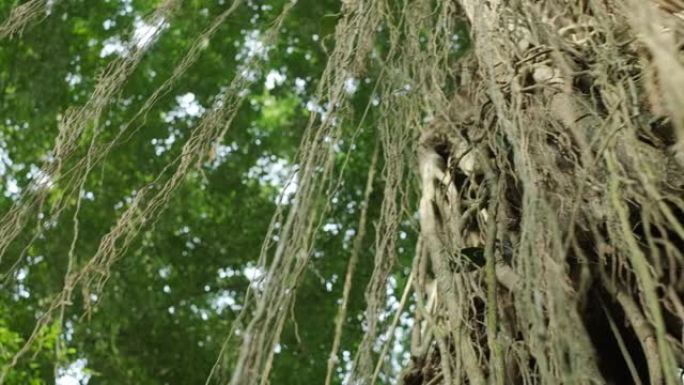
x=569 y=117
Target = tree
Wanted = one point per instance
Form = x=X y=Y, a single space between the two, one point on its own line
x=480 y=192
x=563 y=164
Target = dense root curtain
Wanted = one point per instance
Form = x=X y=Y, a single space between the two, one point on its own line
x=552 y=203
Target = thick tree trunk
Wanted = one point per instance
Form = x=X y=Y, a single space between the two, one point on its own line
x=552 y=207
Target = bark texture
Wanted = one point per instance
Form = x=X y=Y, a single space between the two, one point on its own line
x=560 y=161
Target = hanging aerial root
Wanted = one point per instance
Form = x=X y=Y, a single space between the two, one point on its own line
x=641 y=267
x=642 y=328
x=22 y=15
x=72 y=127
x=351 y=267
x=149 y=202
x=73 y=178
x=496 y=354
x=295 y=243
x=147 y=206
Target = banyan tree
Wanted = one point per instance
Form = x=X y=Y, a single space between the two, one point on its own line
x=537 y=146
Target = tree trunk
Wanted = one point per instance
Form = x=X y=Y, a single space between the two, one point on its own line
x=552 y=214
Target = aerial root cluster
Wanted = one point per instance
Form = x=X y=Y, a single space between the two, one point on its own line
x=568 y=116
